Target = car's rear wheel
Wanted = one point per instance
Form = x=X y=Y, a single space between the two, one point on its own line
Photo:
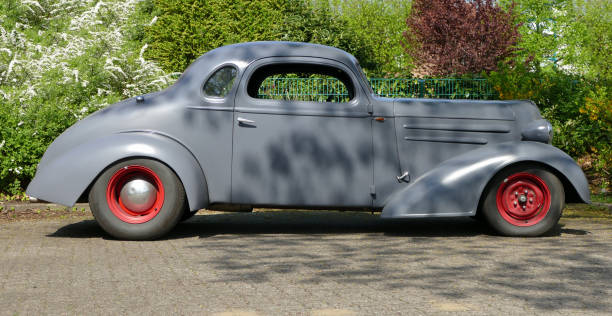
x=137 y=199
x=524 y=201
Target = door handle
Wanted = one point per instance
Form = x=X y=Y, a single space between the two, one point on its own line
x=245 y=121
x=404 y=177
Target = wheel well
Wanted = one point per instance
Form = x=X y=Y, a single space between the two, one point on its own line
x=571 y=195
x=84 y=197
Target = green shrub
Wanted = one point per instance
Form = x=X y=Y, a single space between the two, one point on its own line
x=378 y=26
x=370 y=30
x=564 y=66
x=185 y=29
x=579 y=110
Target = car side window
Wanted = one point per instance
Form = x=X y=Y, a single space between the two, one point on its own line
x=221 y=82
x=301 y=82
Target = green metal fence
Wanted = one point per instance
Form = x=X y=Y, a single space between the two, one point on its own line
x=320 y=89
x=333 y=90
x=434 y=88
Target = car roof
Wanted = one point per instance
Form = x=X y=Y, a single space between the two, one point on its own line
x=251 y=51
x=243 y=54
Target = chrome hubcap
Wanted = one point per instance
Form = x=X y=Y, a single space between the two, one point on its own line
x=138 y=195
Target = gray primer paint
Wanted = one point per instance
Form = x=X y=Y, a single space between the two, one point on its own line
x=306 y=154
x=454 y=187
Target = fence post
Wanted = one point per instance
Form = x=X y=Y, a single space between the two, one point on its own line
x=421 y=89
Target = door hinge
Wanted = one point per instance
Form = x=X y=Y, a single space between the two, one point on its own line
x=372 y=190
x=370 y=108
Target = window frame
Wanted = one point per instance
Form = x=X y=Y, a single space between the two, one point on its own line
x=344 y=79
x=231 y=91
x=356 y=107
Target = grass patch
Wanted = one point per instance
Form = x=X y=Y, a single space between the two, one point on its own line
x=587 y=211
x=602 y=198
x=39 y=212
x=21 y=197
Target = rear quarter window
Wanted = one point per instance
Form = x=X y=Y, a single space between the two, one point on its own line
x=220 y=83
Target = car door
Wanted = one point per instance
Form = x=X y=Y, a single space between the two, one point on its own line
x=299 y=141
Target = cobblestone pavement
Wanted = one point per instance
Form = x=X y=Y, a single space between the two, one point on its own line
x=305 y=263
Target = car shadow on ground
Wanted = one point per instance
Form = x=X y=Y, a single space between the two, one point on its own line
x=361 y=252
x=307 y=223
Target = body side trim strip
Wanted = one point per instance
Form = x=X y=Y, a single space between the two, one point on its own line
x=448 y=127
x=210 y=108
x=460 y=140
x=455 y=117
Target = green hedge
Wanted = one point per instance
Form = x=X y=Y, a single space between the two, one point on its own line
x=185 y=29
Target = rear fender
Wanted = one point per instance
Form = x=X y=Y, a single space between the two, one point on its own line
x=66 y=177
x=454 y=187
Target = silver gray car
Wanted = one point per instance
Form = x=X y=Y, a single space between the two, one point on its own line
x=219 y=139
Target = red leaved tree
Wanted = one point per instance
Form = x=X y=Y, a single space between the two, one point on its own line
x=455 y=37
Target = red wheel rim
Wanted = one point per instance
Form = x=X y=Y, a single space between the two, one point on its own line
x=523 y=199
x=114 y=198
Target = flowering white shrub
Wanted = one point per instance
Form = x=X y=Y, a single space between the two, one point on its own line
x=61 y=60
x=91 y=25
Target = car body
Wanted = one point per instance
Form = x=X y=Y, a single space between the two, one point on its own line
x=230 y=148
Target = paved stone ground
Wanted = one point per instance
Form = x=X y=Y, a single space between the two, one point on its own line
x=305 y=263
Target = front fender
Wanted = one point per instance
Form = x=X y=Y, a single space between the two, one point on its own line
x=63 y=179
x=454 y=187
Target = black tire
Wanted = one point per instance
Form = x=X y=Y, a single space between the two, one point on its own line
x=538 y=221
x=187 y=214
x=171 y=208
x=479 y=217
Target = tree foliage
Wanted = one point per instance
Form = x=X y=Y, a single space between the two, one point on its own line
x=574 y=35
x=540 y=23
x=185 y=29
x=586 y=40
x=456 y=37
x=378 y=26
x=563 y=64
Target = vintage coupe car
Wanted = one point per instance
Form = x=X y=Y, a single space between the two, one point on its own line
x=215 y=140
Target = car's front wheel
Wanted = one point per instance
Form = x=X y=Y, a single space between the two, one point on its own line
x=524 y=201
x=137 y=199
